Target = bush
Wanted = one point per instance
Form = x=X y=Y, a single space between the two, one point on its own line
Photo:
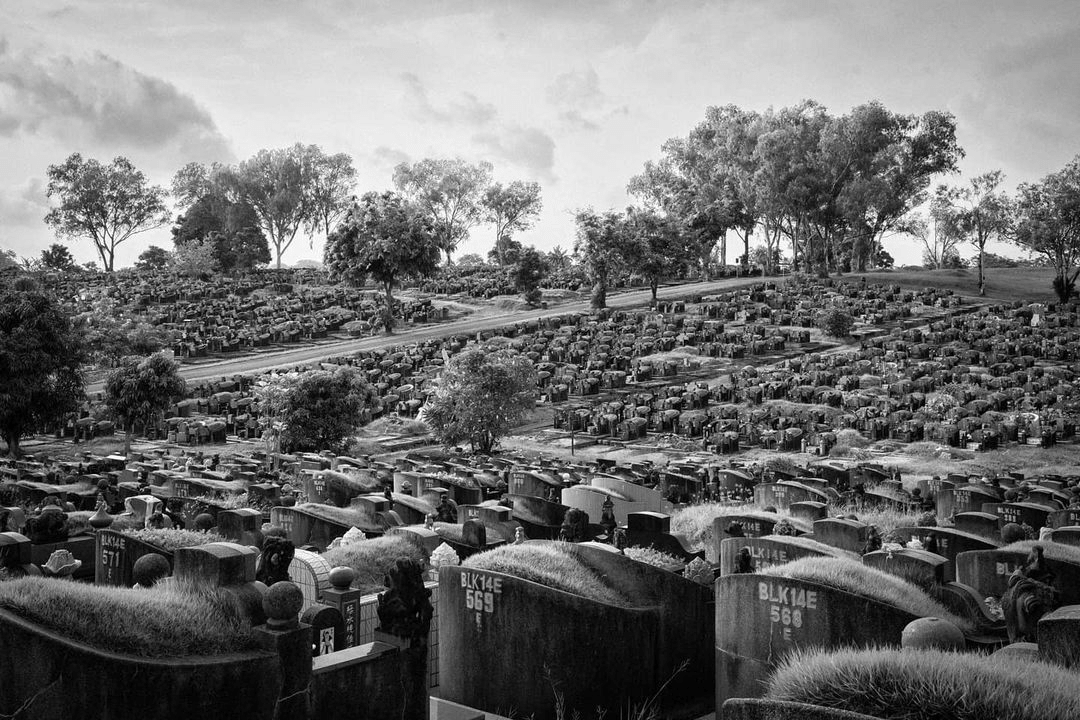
x=835 y=322
x=172 y=621
x=928 y=685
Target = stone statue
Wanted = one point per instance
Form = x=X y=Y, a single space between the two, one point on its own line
x=446 y=512
x=405 y=608
x=1030 y=596
x=607 y=517
x=277 y=555
x=744 y=563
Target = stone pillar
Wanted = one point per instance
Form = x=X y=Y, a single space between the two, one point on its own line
x=285 y=635
x=346 y=600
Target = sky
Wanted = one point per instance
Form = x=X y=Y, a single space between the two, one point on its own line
x=574 y=94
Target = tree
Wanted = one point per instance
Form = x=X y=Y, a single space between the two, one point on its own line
x=233 y=229
x=108 y=336
x=449 y=191
x=323 y=408
x=106 y=203
x=195 y=259
x=40 y=357
x=1048 y=224
x=527 y=275
x=139 y=390
x=557 y=259
x=57 y=257
x=153 y=258
x=511 y=209
x=655 y=247
x=8 y=259
x=978 y=213
x=600 y=244
x=481 y=396
x=939 y=247
x=330 y=190
x=386 y=238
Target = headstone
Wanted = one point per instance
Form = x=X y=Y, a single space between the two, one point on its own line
x=1064 y=518
x=751 y=525
x=1021 y=513
x=217 y=564
x=946 y=542
x=971 y=498
x=850 y=535
x=773 y=550
x=919 y=567
x=1068 y=535
x=1059 y=636
x=983 y=524
x=327 y=629
x=988 y=571
x=809 y=510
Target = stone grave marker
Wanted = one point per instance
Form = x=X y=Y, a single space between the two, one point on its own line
x=327 y=629
x=1021 y=513
x=1069 y=535
x=983 y=524
x=842 y=533
x=1064 y=518
x=919 y=567
x=1059 y=636
x=753 y=525
x=948 y=543
x=809 y=511
x=988 y=571
x=971 y=498
x=773 y=550
x=115 y=556
x=242 y=525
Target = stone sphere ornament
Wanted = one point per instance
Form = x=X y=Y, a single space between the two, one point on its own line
x=149 y=569
x=282 y=604
x=342 y=577
x=932 y=633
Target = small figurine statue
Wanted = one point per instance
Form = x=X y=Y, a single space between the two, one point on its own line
x=519 y=535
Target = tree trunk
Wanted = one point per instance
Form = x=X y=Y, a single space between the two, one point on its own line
x=598 y=300
x=12 y=440
x=449 y=260
x=127 y=438
x=389 y=308
x=982 y=280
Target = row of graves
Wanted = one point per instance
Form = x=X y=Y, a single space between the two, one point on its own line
x=791 y=576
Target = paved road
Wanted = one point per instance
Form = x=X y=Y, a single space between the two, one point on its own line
x=468 y=325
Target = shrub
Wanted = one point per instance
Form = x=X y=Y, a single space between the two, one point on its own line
x=835 y=322
x=372 y=559
x=551 y=564
x=928 y=685
x=854 y=577
x=172 y=621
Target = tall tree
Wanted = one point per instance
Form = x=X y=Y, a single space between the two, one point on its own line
x=449 y=190
x=108 y=204
x=232 y=228
x=939 y=248
x=153 y=258
x=480 y=397
x=40 y=357
x=979 y=212
x=601 y=246
x=330 y=190
x=323 y=408
x=528 y=273
x=57 y=257
x=655 y=246
x=386 y=238
x=511 y=208
x=141 y=389
x=1048 y=224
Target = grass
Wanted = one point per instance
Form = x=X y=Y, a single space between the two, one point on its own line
x=885 y=520
x=1051 y=550
x=173 y=621
x=171 y=539
x=372 y=559
x=1025 y=284
x=928 y=685
x=695 y=522
x=649 y=556
x=342 y=516
x=854 y=577
x=552 y=564
x=342 y=483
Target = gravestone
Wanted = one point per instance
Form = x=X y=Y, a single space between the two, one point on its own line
x=1059 y=636
x=218 y=564
x=752 y=524
x=242 y=525
x=327 y=629
x=1069 y=535
x=809 y=510
x=919 y=567
x=850 y=535
x=946 y=542
x=983 y=524
x=971 y=498
x=1021 y=513
x=115 y=556
x=1064 y=518
x=989 y=571
x=773 y=550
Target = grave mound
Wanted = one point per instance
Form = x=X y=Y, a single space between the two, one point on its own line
x=174 y=621
x=1051 y=550
x=373 y=559
x=894 y=684
x=552 y=564
x=858 y=579
x=171 y=539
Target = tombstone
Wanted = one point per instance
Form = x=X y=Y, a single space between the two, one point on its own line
x=983 y=524
x=782 y=494
x=762 y=619
x=850 y=535
x=327 y=629
x=752 y=525
x=1069 y=535
x=948 y=543
x=919 y=567
x=765 y=552
x=989 y=570
x=242 y=525
x=1064 y=518
x=1059 y=636
x=218 y=564
x=15 y=554
x=115 y=555
x=653 y=530
x=809 y=511
x=1021 y=513
x=971 y=498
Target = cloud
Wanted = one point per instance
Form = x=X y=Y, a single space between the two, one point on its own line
x=576 y=89
x=528 y=147
x=466 y=110
x=24 y=205
x=575 y=119
x=101 y=100
x=389 y=157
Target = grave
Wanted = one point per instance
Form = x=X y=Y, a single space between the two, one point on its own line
x=850 y=535
x=989 y=570
x=765 y=552
x=946 y=542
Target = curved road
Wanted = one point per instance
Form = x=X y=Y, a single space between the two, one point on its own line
x=468 y=325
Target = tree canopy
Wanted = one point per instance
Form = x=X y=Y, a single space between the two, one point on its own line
x=977 y=213
x=450 y=192
x=57 y=257
x=141 y=389
x=510 y=209
x=40 y=357
x=107 y=204
x=481 y=396
x=601 y=246
x=1048 y=224
x=386 y=238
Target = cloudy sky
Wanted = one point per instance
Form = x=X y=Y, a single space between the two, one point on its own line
x=575 y=94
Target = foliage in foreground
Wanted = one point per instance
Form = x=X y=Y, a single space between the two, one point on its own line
x=854 y=577
x=373 y=559
x=551 y=564
x=928 y=685
x=171 y=621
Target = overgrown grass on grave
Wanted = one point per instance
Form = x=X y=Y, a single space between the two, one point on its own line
x=550 y=564
x=1051 y=550
x=172 y=621
x=928 y=685
x=172 y=539
x=343 y=516
x=372 y=559
x=854 y=577
x=653 y=557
